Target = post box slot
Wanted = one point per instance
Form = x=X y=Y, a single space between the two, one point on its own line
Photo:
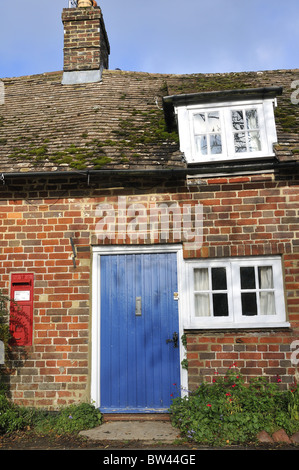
x=21 y=283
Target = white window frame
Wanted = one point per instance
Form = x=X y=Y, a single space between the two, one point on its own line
x=266 y=121
x=235 y=319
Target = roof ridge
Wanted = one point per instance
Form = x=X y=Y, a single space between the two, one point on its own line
x=158 y=74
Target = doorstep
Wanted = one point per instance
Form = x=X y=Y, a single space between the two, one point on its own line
x=146 y=428
x=136 y=417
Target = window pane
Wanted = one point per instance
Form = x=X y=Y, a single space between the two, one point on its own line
x=254 y=142
x=215 y=144
x=240 y=142
x=219 y=279
x=265 y=277
x=247 y=277
x=249 y=306
x=201 y=279
x=267 y=303
x=220 y=305
x=200 y=125
x=251 y=119
x=213 y=122
x=202 y=146
x=238 y=120
x=202 y=305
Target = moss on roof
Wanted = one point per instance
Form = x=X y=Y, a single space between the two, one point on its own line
x=117 y=123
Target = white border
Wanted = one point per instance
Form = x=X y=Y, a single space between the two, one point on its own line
x=97 y=251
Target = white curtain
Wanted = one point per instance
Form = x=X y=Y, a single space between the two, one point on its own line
x=251 y=119
x=253 y=137
x=267 y=299
x=202 y=299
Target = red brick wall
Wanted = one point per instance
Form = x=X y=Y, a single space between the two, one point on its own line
x=246 y=215
x=255 y=353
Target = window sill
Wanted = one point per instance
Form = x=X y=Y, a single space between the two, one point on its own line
x=229 y=158
x=236 y=326
x=245 y=166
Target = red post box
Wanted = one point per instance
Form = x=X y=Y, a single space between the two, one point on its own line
x=21 y=308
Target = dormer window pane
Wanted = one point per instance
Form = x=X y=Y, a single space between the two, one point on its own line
x=245 y=121
x=252 y=119
x=254 y=142
x=216 y=146
x=200 y=126
x=214 y=122
x=207 y=130
x=240 y=142
x=201 y=144
x=238 y=120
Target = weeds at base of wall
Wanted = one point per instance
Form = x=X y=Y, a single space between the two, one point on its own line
x=68 y=420
x=230 y=412
x=224 y=413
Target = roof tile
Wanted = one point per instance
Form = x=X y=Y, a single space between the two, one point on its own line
x=118 y=123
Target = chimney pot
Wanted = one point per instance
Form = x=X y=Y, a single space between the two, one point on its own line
x=84 y=3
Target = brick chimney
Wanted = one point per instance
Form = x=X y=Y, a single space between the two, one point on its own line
x=86 y=46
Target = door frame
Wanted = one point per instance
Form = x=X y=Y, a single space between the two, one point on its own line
x=97 y=251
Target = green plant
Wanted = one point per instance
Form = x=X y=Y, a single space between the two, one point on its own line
x=68 y=420
x=75 y=418
x=229 y=411
x=293 y=403
x=5 y=335
x=184 y=362
x=12 y=417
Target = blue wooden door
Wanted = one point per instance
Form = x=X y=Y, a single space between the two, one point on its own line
x=138 y=315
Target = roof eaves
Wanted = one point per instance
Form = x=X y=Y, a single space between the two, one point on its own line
x=262 y=165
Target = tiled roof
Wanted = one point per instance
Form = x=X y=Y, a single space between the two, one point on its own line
x=118 y=123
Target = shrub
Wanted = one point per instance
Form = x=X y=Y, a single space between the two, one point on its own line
x=293 y=404
x=228 y=411
x=4 y=327
x=71 y=419
x=75 y=418
x=12 y=417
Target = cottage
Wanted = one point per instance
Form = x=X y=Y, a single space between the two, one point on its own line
x=149 y=227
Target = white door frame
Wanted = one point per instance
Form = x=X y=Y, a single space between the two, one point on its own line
x=97 y=251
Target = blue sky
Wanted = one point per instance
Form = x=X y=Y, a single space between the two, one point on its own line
x=160 y=36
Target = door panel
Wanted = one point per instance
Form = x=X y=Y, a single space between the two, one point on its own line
x=138 y=366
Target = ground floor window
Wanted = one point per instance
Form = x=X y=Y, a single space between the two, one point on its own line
x=236 y=292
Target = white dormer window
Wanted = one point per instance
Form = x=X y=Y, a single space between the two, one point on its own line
x=235 y=130
x=241 y=127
